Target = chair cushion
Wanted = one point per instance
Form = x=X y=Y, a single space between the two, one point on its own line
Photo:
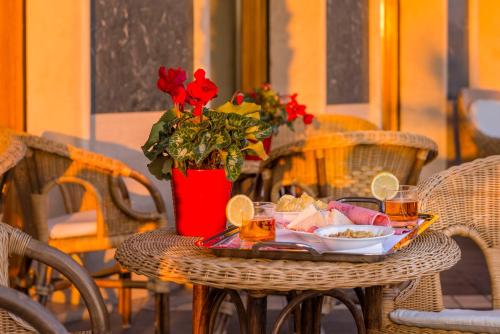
x=452 y=319
x=73 y=225
x=485 y=114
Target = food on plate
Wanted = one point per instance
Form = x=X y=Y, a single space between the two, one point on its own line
x=353 y=234
x=384 y=186
x=335 y=217
x=307 y=220
x=238 y=209
x=289 y=203
x=360 y=215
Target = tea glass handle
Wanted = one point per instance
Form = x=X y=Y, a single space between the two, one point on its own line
x=285 y=245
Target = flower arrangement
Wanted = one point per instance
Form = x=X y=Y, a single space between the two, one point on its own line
x=276 y=109
x=201 y=137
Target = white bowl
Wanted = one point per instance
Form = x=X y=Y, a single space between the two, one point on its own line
x=344 y=244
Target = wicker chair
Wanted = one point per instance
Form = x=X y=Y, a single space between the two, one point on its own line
x=343 y=164
x=323 y=124
x=19 y=313
x=473 y=142
x=466 y=198
x=98 y=213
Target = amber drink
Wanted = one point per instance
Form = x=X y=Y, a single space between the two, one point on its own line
x=262 y=226
x=402 y=206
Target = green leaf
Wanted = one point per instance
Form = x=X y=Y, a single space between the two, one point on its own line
x=258 y=149
x=222 y=139
x=245 y=109
x=204 y=147
x=234 y=162
x=259 y=132
x=180 y=146
x=161 y=167
x=155 y=135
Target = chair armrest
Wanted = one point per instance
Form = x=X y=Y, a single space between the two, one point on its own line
x=22 y=244
x=121 y=203
x=39 y=201
x=30 y=311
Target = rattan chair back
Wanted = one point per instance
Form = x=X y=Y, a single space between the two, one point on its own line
x=466 y=198
x=344 y=163
x=87 y=181
x=323 y=124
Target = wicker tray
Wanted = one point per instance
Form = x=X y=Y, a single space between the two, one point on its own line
x=274 y=250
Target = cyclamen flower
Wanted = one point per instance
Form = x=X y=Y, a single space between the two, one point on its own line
x=172 y=83
x=308 y=118
x=240 y=97
x=294 y=109
x=200 y=91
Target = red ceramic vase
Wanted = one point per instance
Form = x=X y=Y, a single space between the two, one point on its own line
x=267 y=147
x=200 y=200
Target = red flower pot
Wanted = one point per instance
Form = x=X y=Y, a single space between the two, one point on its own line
x=267 y=147
x=200 y=200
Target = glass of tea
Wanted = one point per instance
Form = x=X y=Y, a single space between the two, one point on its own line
x=262 y=226
x=402 y=205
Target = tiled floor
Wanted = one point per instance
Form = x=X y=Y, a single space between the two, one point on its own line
x=466 y=285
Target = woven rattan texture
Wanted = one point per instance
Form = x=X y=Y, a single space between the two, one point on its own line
x=46 y=162
x=11 y=150
x=323 y=124
x=165 y=256
x=350 y=160
x=466 y=199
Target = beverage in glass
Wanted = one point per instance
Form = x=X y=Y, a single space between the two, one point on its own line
x=402 y=204
x=262 y=226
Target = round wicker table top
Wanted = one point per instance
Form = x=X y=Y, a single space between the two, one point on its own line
x=163 y=255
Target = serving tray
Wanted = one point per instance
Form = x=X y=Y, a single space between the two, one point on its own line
x=228 y=244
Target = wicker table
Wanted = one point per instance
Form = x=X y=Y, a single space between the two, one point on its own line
x=165 y=256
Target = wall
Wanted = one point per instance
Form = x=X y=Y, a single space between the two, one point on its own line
x=484 y=44
x=58 y=37
x=423 y=77
x=298 y=50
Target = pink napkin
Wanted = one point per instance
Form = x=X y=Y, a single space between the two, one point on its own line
x=359 y=215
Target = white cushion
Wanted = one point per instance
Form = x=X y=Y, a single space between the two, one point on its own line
x=452 y=319
x=73 y=225
x=485 y=114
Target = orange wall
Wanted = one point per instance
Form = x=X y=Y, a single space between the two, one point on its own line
x=12 y=64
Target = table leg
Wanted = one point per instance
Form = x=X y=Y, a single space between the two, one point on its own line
x=373 y=309
x=200 y=294
x=256 y=311
x=307 y=316
x=162 y=313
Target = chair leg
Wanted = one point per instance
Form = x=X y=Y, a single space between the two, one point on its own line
x=42 y=286
x=125 y=301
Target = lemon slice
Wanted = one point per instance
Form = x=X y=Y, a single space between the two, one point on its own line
x=384 y=186
x=239 y=208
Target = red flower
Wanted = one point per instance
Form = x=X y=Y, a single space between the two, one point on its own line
x=172 y=83
x=200 y=91
x=293 y=108
x=239 y=98
x=308 y=118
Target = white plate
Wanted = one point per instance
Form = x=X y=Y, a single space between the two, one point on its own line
x=344 y=244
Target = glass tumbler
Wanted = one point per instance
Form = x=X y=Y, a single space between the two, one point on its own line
x=402 y=204
x=262 y=226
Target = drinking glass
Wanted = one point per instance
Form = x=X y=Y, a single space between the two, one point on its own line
x=262 y=226
x=402 y=205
